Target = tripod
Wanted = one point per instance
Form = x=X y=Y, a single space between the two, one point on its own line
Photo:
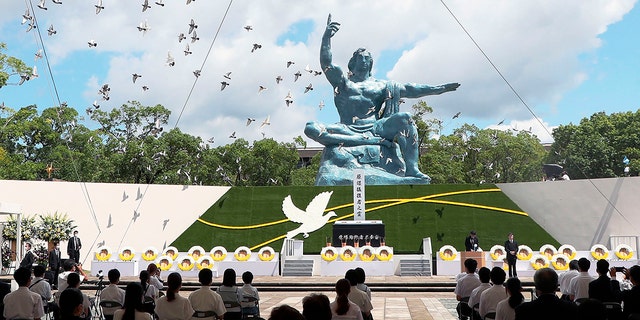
x=95 y=300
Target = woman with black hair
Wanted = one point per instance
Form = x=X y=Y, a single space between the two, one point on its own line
x=132 y=309
x=173 y=306
x=231 y=295
x=506 y=309
x=342 y=308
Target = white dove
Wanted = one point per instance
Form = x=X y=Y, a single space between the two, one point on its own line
x=311 y=218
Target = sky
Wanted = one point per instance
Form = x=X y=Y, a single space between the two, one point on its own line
x=565 y=60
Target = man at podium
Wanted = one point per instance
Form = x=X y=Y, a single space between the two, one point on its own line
x=471 y=242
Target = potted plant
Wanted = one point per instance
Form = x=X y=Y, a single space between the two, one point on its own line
x=54 y=228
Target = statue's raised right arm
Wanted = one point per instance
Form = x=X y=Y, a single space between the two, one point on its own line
x=332 y=72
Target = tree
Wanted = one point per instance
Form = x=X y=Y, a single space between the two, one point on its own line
x=12 y=67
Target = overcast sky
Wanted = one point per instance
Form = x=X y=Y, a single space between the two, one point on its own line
x=565 y=59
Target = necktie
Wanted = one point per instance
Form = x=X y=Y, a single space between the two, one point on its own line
x=75 y=243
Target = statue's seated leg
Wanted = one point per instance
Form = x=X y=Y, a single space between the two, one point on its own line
x=399 y=127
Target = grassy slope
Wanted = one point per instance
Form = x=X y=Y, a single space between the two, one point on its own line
x=406 y=224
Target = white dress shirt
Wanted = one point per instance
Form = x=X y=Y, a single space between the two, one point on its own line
x=579 y=286
x=489 y=299
x=352 y=314
x=205 y=299
x=40 y=286
x=23 y=304
x=112 y=293
x=178 y=309
x=466 y=284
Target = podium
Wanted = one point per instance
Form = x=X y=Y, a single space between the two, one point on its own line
x=475 y=255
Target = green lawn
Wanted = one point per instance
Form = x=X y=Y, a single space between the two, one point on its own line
x=406 y=223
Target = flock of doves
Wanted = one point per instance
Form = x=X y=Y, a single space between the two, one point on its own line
x=190 y=37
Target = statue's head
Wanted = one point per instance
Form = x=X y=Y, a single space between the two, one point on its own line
x=361 y=61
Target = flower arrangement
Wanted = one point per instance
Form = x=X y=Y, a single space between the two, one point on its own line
x=204 y=262
x=447 y=253
x=54 y=227
x=185 y=263
x=560 y=262
x=624 y=252
x=497 y=253
x=367 y=253
x=218 y=253
x=170 y=251
x=127 y=254
x=27 y=224
x=524 y=253
x=6 y=255
x=196 y=252
x=599 y=251
x=150 y=254
x=384 y=253
x=568 y=250
x=266 y=254
x=548 y=250
x=329 y=254
x=539 y=261
x=242 y=253
x=165 y=262
x=42 y=255
x=103 y=253
x=348 y=253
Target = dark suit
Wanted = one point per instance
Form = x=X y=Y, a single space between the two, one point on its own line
x=5 y=288
x=548 y=307
x=631 y=300
x=605 y=289
x=469 y=243
x=73 y=248
x=28 y=260
x=55 y=263
x=511 y=258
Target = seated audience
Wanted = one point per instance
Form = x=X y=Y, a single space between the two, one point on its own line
x=132 y=308
x=112 y=293
x=548 y=305
x=579 y=286
x=231 y=295
x=173 y=306
x=150 y=292
x=69 y=266
x=22 y=303
x=592 y=309
x=73 y=281
x=341 y=307
x=154 y=277
x=489 y=298
x=464 y=288
x=358 y=296
x=285 y=312
x=506 y=308
x=250 y=297
x=71 y=304
x=631 y=298
x=565 y=279
x=40 y=286
x=205 y=299
x=361 y=278
x=316 y=306
x=485 y=276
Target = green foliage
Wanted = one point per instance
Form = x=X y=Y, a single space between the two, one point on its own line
x=10 y=66
x=42 y=255
x=595 y=147
x=406 y=224
x=28 y=227
x=54 y=227
x=306 y=176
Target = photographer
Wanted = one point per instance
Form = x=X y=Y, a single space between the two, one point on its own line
x=70 y=266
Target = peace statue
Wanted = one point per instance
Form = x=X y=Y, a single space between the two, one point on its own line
x=372 y=133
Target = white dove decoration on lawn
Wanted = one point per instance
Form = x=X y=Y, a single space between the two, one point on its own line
x=311 y=218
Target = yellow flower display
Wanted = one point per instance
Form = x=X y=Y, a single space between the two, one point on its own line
x=367 y=253
x=384 y=253
x=127 y=254
x=524 y=253
x=185 y=263
x=560 y=262
x=329 y=253
x=103 y=253
x=539 y=261
x=348 y=253
x=497 y=253
x=196 y=252
x=242 y=253
x=150 y=254
x=218 y=253
x=448 y=253
x=599 y=251
x=548 y=250
x=568 y=250
x=266 y=254
x=170 y=251
x=624 y=252
x=204 y=262
x=164 y=262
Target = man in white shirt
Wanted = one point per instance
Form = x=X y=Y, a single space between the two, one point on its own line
x=489 y=298
x=40 y=286
x=69 y=266
x=206 y=300
x=22 y=303
x=112 y=293
x=465 y=286
x=250 y=296
x=358 y=296
x=485 y=276
x=579 y=285
x=565 y=279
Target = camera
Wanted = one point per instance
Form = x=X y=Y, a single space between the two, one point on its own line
x=619 y=269
x=100 y=275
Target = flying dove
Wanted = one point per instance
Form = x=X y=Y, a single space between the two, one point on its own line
x=256 y=47
x=109 y=224
x=139 y=194
x=136 y=215
x=181 y=37
x=288 y=99
x=321 y=105
x=297 y=75
x=192 y=26
x=227 y=75
x=233 y=135
x=266 y=122
x=170 y=60
x=197 y=73
x=92 y=43
x=135 y=77
x=144 y=27
x=159 y=2
x=99 y=6
x=456 y=115
x=261 y=88
x=145 y=88
x=278 y=79
x=308 y=88
x=311 y=218
x=145 y=5
x=289 y=63
x=249 y=120
x=38 y=55
x=248 y=28
x=41 y=5
x=124 y=196
x=194 y=37
x=187 y=51
x=51 y=31
x=164 y=223
x=224 y=85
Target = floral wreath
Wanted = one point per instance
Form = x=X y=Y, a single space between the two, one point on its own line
x=173 y=255
x=370 y=256
x=107 y=253
x=247 y=254
x=168 y=265
x=498 y=252
x=196 y=249
x=596 y=255
x=153 y=256
x=268 y=250
x=348 y=249
x=526 y=256
x=535 y=261
x=181 y=260
x=560 y=266
x=326 y=257
x=443 y=250
x=388 y=253
x=202 y=259
x=621 y=255
x=223 y=253
x=122 y=257
x=569 y=247
x=544 y=248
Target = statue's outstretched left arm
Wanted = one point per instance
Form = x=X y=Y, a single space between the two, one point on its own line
x=414 y=90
